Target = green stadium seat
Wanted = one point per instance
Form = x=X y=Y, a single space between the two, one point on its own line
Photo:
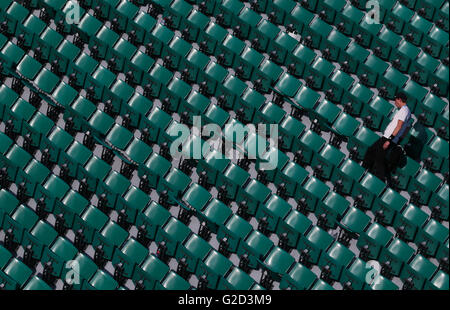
x=173 y=233
x=130 y=256
x=236 y=280
x=213 y=268
x=314 y=243
x=15 y=274
x=355 y=274
x=234 y=230
x=101 y=281
x=438 y=282
x=58 y=254
x=298 y=277
x=109 y=239
x=391 y=204
x=36 y=284
x=375 y=237
x=194 y=250
x=398 y=254
x=369 y=187
x=150 y=272
x=425 y=182
x=346 y=176
x=411 y=220
x=332 y=207
x=337 y=257
x=420 y=269
x=173 y=282
x=434 y=234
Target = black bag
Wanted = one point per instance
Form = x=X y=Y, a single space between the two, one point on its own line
x=396 y=157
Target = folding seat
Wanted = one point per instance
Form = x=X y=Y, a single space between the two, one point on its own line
x=346 y=175
x=398 y=254
x=101 y=280
x=443 y=251
x=19 y=221
x=355 y=274
x=290 y=129
x=247 y=20
x=352 y=224
x=49 y=41
x=421 y=270
x=292 y=176
x=109 y=239
x=15 y=15
x=213 y=35
x=320 y=285
x=124 y=12
x=332 y=207
x=229 y=10
x=415 y=94
x=379 y=111
x=391 y=82
x=173 y=233
x=80 y=110
x=177 y=92
x=381 y=283
x=155 y=168
x=429 y=109
x=250 y=101
x=405 y=174
x=344 y=127
x=314 y=243
x=416 y=29
x=4 y=6
x=398 y=17
x=305 y=97
x=11 y=54
x=173 y=282
x=337 y=257
x=440 y=199
x=268 y=72
x=298 y=277
x=196 y=197
x=130 y=256
x=5 y=257
x=425 y=183
x=57 y=142
x=326 y=161
x=369 y=188
x=265 y=33
x=142 y=24
x=150 y=272
x=403 y=55
x=410 y=220
x=371 y=70
x=441 y=121
x=137 y=107
x=277 y=263
x=348 y=18
x=337 y=84
x=7 y=98
x=90 y=221
x=435 y=39
x=65 y=95
x=236 y=280
x=283 y=45
x=32 y=175
x=256 y=246
x=275 y=210
x=58 y=254
x=94 y=171
x=439 y=281
x=83 y=67
x=269 y=113
x=234 y=177
x=234 y=230
x=361 y=141
x=56 y=9
x=364 y=32
x=391 y=203
x=422 y=68
x=21 y=112
x=75 y=156
x=133 y=203
x=436 y=153
x=356 y=98
x=443 y=16
x=15 y=274
x=8 y=204
x=119 y=137
x=122 y=51
x=102 y=79
x=317 y=32
x=160 y=38
x=301 y=57
x=319 y=73
x=353 y=56
x=430 y=8
x=214 y=214
x=434 y=234
x=254 y=193
x=138 y=151
x=174 y=182
x=193 y=250
x=16 y=159
x=104 y=39
x=36 y=284
x=330 y=10
x=440 y=77
x=375 y=237
x=196 y=22
x=310 y=144
x=88 y=27
x=281 y=9
x=114 y=186
x=32 y=28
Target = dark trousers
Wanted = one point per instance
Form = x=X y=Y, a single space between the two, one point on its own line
x=375 y=159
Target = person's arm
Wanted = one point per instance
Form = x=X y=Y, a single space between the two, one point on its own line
x=394 y=133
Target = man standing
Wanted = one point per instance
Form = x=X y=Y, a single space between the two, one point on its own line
x=375 y=159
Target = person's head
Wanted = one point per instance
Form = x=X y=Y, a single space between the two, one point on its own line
x=400 y=100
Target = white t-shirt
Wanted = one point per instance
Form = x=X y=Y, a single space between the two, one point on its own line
x=403 y=114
